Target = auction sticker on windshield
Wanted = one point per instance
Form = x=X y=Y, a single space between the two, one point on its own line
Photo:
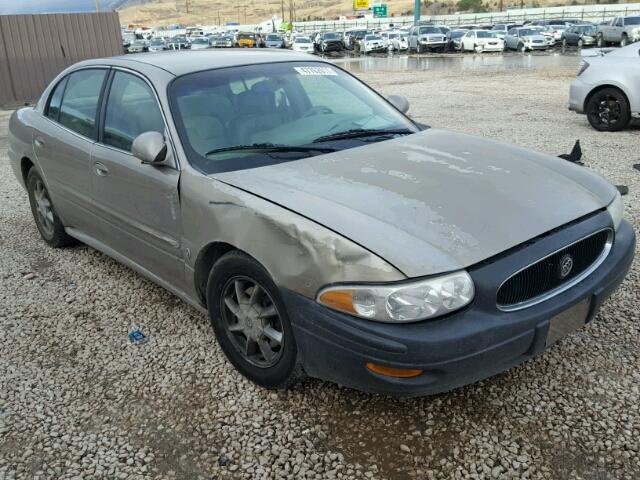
x=315 y=70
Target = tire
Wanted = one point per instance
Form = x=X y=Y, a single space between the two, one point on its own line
x=564 y=43
x=236 y=274
x=418 y=47
x=624 y=41
x=522 y=48
x=608 y=110
x=44 y=214
x=600 y=41
x=580 y=43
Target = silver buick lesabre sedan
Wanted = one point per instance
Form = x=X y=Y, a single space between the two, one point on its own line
x=325 y=232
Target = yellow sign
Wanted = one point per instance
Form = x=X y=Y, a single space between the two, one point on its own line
x=360 y=4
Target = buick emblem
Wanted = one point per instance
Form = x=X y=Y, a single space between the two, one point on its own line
x=565 y=267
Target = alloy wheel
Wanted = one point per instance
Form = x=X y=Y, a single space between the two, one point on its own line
x=44 y=211
x=607 y=110
x=252 y=321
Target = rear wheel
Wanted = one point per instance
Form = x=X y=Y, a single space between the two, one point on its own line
x=608 y=110
x=418 y=48
x=250 y=322
x=580 y=43
x=47 y=221
x=624 y=40
x=564 y=43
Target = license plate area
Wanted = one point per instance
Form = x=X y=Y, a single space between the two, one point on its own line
x=568 y=321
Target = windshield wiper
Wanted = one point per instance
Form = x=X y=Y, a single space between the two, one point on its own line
x=362 y=132
x=271 y=147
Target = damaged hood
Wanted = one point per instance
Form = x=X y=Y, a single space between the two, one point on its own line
x=434 y=201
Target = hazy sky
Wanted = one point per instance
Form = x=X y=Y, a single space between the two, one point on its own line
x=49 y=6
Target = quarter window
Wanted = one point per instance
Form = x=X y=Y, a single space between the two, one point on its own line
x=132 y=109
x=53 y=110
x=80 y=101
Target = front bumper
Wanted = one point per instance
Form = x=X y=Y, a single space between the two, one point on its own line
x=578 y=92
x=461 y=348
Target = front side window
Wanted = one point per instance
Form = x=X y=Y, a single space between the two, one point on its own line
x=80 y=101
x=290 y=104
x=53 y=110
x=131 y=109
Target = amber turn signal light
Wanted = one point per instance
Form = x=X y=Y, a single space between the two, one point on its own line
x=339 y=300
x=394 y=372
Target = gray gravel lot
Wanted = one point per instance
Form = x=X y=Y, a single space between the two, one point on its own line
x=77 y=400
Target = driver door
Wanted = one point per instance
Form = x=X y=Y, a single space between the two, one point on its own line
x=138 y=203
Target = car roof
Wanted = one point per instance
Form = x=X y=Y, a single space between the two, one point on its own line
x=183 y=62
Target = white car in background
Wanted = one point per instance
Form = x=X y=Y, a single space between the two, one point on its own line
x=200 y=43
x=525 y=39
x=389 y=37
x=372 y=43
x=547 y=32
x=607 y=88
x=302 y=44
x=481 y=41
x=557 y=30
x=401 y=42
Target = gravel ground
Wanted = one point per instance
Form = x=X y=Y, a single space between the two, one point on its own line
x=77 y=400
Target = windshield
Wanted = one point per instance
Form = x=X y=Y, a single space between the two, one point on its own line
x=289 y=104
x=424 y=30
x=528 y=31
x=393 y=35
x=632 y=21
x=483 y=34
x=179 y=39
x=245 y=36
x=156 y=43
x=587 y=29
x=273 y=37
x=331 y=36
x=458 y=33
x=302 y=40
x=373 y=37
x=200 y=41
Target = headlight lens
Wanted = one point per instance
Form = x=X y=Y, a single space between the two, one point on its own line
x=616 y=210
x=407 y=302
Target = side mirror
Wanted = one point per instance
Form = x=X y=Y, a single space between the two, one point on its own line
x=149 y=147
x=400 y=102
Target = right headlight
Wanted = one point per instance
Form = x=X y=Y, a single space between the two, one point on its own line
x=405 y=302
x=616 y=210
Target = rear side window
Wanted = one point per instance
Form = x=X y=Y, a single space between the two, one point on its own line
x=53 y=110
x=80 y=101
x=132 y=109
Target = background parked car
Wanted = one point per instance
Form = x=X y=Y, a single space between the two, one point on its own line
x=178 y=42
x=524 y=38
x=580 y=35
x=372 y=43
x=137 y=46
x=330 y=42
x=246 y=40
x=503 y=28
x=423 y=38
x=481 y=41
x=454 y=38
x=607 y=89
x=622 y=30
x=157 y=45
x=200 y=43
x=273 y=40
x=222 y=42
x=352 y=37
x=547 y=32
x=302 y=44
x=401 y=42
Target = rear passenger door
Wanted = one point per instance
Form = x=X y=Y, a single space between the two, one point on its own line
x=62 y=142
x=138 y=203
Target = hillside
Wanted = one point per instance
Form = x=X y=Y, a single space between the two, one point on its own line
x=213 y=12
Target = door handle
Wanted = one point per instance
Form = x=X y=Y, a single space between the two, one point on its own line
x=39 y=142
x=100 y=169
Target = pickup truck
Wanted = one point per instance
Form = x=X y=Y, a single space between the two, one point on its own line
x=622 y=30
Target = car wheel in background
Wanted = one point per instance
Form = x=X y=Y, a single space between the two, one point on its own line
x=600 y=41
x=47 y=221
x=580 y=43
x=624 y=40
x=522 y=48
x=564 y=43
x=418 y=48
x=250 y=322
x=608 y=110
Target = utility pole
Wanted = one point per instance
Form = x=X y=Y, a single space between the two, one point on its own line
x=97 y=6
x=282 y=9
x=186 y=5
x=416 y=12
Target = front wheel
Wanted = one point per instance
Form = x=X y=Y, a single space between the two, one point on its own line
x=608 y=110
x=250 y=322
x=624 y=41
x=600 y=41
x=47 y=221
x=580 y=43
x=418 y=48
